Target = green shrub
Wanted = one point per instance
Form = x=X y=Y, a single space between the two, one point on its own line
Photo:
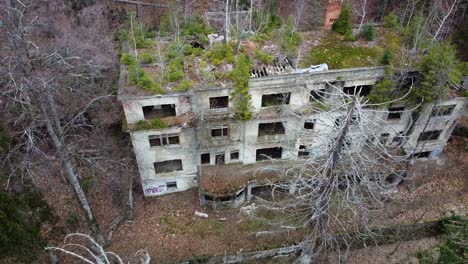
x=367 y=32
x=145 y=58
x=291 y=40
x=219 y=52
x=343 y=24
x=184 y=85
x=73 y=219
x=391 y=21
x=263 y=57
x=127 y=59
x=349 y=37
x=174 y=71
x=387 y=57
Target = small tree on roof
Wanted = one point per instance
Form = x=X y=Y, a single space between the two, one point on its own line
x=240 y=96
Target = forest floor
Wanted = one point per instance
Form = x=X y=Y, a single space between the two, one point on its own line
x=168 y=229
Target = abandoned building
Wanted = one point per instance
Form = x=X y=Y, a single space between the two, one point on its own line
x=201 y=140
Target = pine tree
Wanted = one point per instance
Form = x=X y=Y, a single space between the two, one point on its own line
x=343 y=23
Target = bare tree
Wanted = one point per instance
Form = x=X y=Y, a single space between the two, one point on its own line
x=86 y=249
x=348 y=171
x=50 y=80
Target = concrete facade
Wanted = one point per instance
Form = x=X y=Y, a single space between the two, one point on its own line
x=170 y=159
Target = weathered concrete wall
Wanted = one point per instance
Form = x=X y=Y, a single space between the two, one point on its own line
x=244 y=137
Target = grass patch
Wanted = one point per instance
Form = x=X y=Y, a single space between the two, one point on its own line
x=338 y=54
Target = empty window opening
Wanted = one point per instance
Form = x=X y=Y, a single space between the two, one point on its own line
x=168 y=166
x=355 y=120
x=205 y=158
x=420 y=155
x=221 y=131
x=362 y=90
x=398 y=139
x=162 y=140
x=302 y=151
x=219 y=102
x=208 y=197
x=384 y=137
x=430 y=135
x=444 y=110
x=159 y=111
x=235 y=155
x=309 y=124
x=219 y=159
x=275 y=99
x=171 y=186
x=338 y=121
x=269 y=153
x=395 y=112
x=270 y=129
x=317 y=94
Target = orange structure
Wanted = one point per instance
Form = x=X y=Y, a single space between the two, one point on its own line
x=333 y=11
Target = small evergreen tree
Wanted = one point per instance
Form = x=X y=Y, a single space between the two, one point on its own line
x=391 y=21
x=343 y=24
x=368 y=32
x=387 y=57
x=439 y=67
x=240 y=96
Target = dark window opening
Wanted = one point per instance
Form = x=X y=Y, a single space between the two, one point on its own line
x=444 y=110
x=338 y=121
x=395 y=112
x=302 y=151
x=317 y=94
x=222 y=131
x=225 y=198
x=208 y=197
x=159 y=111
x=269 y=153
x=270 y=129
x=235 y=155
x=219 y=102
x=355 y=120
x=309 y=124
x=419 y=155
x=430 y=135
x=162 y=140
x=275 y=99
x=205 y=158
x=362 y=90
x=384 y=137
x=219 y=159
x=398 y=139
x=168 y=166
x=171 y=186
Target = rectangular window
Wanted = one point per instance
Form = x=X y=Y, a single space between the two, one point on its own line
x=362 y=90
x=168 y=166
x=309 y=124
x=269 y=153
x=270 y=129
x=171 y=186
x=398 y=139
x=275 y=99
x=219 y=102
x=234 y=155
x=205 y=158
x=302 y=151
x=219 y=159
x=419 y=155
x=429 y=135
x=221 y=131
x=395 y=112
x=383 y=138
x=317 y=94
x=162 y=140
x=338 y=121
x=159 y=111
x=443 y=110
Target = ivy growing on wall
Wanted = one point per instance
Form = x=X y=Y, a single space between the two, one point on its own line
x=240 y=96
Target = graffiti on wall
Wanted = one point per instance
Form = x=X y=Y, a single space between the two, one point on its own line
x=156 y=189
